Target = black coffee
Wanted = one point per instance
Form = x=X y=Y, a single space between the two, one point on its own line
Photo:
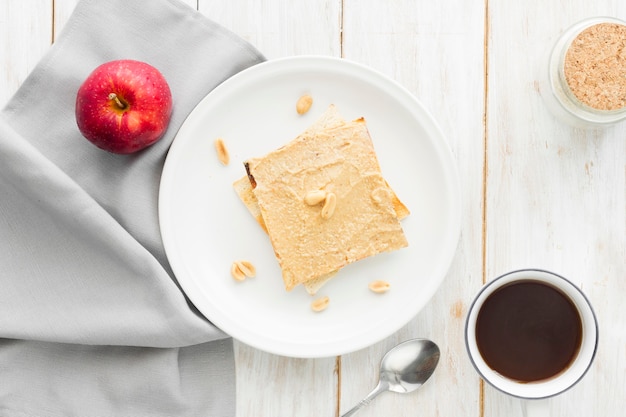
x=528 y=331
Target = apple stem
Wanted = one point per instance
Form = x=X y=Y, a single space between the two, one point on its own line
x=117 y=100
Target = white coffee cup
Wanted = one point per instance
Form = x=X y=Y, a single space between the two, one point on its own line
x=532 y=392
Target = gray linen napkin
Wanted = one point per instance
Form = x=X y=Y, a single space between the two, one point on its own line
x=92 y=320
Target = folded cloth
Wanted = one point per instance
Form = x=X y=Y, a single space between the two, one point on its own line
x=92 y=320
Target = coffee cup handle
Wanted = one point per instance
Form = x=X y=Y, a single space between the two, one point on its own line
x=535 y=408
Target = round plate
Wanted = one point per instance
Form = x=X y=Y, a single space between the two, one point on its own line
x=205 y=227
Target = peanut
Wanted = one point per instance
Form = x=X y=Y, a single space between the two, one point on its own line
x=304 y=104
x=236 y=272
x=330 y=204
x=222 y=151
x=247 y=268
x=379 y=286
x=315 y=197
x=240 y=270
x=320 y=304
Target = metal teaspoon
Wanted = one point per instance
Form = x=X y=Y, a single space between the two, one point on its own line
x=403 y=369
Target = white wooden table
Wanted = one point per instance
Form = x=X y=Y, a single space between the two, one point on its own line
x=536 y=192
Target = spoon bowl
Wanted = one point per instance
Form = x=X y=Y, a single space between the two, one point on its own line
x=403 y=369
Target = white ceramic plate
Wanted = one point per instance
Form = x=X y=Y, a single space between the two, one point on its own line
x=205 y=227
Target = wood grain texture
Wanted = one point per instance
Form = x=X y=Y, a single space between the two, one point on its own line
x=555 y=194
x=436 y=50
x=281 y=28
x=26 y=35
x=270 y=385
x=62 y=11
x=535 y=192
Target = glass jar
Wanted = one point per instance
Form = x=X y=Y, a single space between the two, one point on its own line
x=587 y=73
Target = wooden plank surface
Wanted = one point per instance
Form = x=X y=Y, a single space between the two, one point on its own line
x=26 y=35
x=535 y=192
x=423 y=45
x=270 y=385
x=555 y=194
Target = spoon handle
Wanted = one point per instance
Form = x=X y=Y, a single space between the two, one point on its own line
x=365 y=401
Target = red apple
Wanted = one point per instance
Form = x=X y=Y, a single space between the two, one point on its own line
x=123 y=106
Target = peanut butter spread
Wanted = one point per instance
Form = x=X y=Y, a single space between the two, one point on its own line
x=338 y=160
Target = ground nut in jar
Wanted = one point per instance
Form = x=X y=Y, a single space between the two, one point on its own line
x=587 y=71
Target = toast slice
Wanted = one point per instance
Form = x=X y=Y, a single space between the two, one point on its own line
x=243 y=189
x=337 y=157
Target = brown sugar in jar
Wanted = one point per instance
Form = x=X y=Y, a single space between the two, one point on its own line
x=595 y=66
x=588 y=71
